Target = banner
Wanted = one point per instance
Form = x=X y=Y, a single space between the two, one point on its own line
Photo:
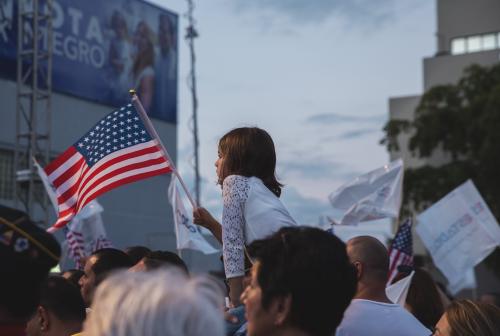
x=371 y=196
x=459 y=231
x=101 y=49
x=188 y=234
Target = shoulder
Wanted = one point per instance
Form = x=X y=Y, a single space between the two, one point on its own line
x=232 y=181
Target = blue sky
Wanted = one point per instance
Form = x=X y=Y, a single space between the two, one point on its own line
x=316 y=74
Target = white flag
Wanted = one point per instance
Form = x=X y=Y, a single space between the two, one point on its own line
x=371 y=196
x=187 y=234
x=459 y=231
x=48 y=186
x=398 y=291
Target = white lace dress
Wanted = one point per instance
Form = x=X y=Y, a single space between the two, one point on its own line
x=251 y=211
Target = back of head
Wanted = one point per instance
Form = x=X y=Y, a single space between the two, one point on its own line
x=63 y=299
x=157 y=259
x=311 y=266
x=469 y=318
x=73 y=276
x=136 y=253
x=107 y=260
x=423 y=299
x=162 y=302
x=249 y=151
x=27 y=253
x=374 y=258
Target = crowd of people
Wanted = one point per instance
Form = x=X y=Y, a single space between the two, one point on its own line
x=280 y=278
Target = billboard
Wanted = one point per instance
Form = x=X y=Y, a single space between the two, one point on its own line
x=101 y=49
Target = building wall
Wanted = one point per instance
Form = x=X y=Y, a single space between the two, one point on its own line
x=134 y=214
x=448 y=69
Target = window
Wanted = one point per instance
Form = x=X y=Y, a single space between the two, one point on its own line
x=470 y=44
x=6 y=174
x=458 y=46
x=489 y=42
x=473 y=43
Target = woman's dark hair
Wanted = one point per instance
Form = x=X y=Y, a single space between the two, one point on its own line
x=312 y=267
x=249 y=151
x=423 y=299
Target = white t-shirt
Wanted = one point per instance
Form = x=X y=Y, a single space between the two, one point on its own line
x=251 y=211
x=371 y=318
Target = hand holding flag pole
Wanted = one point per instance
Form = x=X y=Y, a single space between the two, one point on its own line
x=149 y=126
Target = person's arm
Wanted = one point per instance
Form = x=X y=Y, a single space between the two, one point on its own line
x=146 y=91
x=202 y=217
x=235 y=193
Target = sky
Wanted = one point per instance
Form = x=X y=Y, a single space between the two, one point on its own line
x=316 y=74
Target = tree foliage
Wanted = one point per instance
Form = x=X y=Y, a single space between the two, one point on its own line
x=462 y=120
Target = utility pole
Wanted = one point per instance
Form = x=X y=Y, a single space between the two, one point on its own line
x=191 y=34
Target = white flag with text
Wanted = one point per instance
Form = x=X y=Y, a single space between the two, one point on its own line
x=188 y=234
x=459 y=231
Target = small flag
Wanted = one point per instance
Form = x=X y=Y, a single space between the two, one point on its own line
x=86 y=234
x=188 y=235
x=116 y=151
x=398 y=291
x=401 y=250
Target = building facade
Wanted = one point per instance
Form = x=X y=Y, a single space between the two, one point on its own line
x=468 y=32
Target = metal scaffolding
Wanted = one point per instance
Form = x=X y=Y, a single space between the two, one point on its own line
x=33 y=105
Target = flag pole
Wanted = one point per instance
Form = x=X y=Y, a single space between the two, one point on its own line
x=149 y=126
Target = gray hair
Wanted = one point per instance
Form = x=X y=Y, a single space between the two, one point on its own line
x=161 y=302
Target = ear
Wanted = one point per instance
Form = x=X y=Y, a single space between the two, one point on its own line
x=359 y=269
x=44 y=319
x=282 y=308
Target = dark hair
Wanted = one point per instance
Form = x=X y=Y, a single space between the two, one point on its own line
x=109 y=259
x=469 y=318
x=311 y=266
x=249 y=151
x=136 y=253
x=424 y=300
x=157 y=259
x=63 y=299
x=73 y=276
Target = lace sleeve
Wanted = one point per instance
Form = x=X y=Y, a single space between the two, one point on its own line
x=235 y=193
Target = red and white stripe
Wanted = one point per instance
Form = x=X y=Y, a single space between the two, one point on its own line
x=77 y=184
x=397 y=258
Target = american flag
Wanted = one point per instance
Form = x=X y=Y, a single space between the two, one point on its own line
x=116 y=151
x=401 y=250
x=76 y=247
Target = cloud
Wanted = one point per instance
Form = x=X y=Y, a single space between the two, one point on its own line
x=357 y=133
x=316 y=167
x=366 y=12
x=334 y=118
x=305 y=210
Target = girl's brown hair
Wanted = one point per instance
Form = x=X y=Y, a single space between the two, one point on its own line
x=469 y=318
x=249 y=151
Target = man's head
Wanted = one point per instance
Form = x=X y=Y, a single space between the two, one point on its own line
x=371 y=259
x=27 y=253
x=297 y=273
x=159 y=259
x=136 y=253
x=61 y=310
x=98 y=266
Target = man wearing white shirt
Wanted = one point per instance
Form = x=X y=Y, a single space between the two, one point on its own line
x=371 y=312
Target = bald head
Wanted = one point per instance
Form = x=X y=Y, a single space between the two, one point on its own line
x=372 y=254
